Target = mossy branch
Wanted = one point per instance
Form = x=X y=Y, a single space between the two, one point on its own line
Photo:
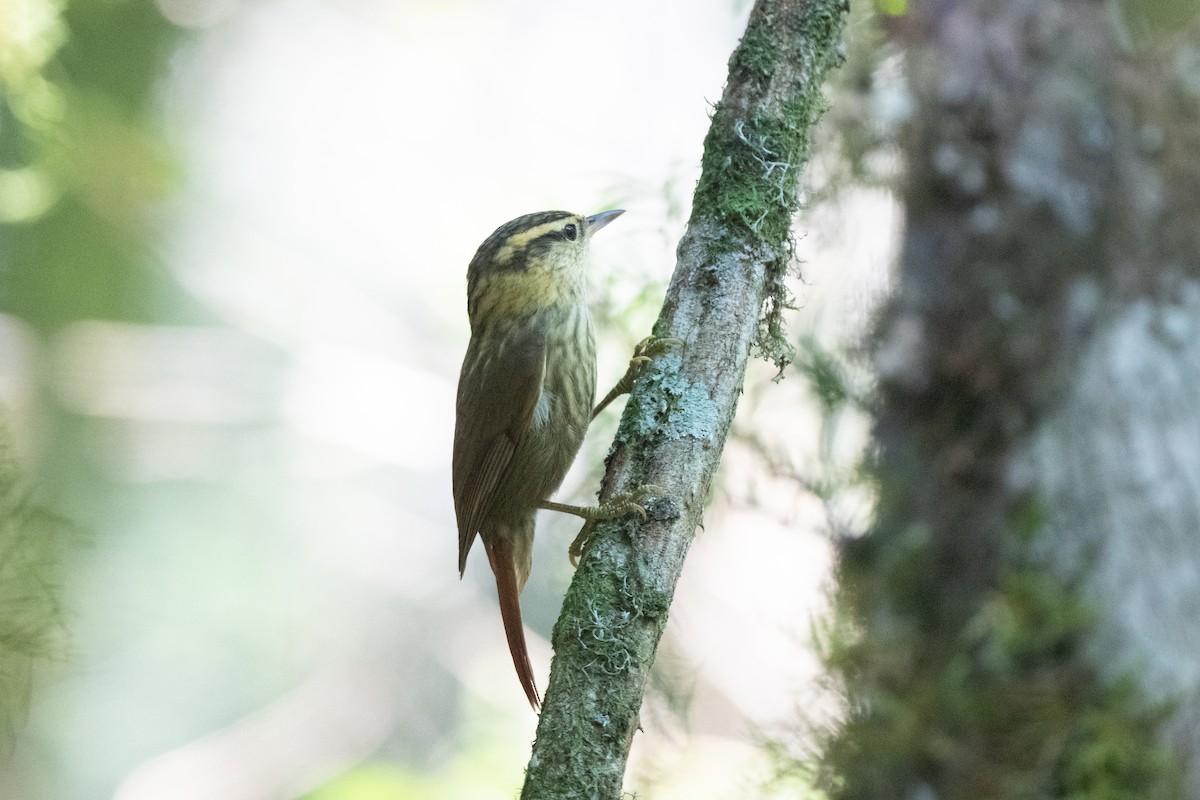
x=725 y=298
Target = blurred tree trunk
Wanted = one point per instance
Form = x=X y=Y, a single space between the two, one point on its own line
x=725 y=298
x=1024 y=615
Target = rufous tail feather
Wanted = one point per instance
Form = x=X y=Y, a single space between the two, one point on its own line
x=500 y=555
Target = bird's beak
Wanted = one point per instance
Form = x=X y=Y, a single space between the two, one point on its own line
x=597 y=221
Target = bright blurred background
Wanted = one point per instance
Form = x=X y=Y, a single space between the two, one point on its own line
x=233 y=241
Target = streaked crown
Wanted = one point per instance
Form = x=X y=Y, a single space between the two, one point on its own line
x=531 y=261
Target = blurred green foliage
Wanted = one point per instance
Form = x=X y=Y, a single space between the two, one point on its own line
x=893 y=8
x=376 y=782
x=31 y=622
x=1144 y=24
x=81 y=160
x=81 y=163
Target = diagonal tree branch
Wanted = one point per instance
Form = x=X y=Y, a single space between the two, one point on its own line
x=725 y=297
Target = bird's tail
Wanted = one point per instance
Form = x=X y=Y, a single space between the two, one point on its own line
x=510 y=579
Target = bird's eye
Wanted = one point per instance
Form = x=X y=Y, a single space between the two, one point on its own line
x=570 y=231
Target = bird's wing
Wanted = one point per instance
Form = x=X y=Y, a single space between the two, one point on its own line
x=496 y=398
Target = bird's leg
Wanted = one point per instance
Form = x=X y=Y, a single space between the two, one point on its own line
x=646 y=349
x=625 y=503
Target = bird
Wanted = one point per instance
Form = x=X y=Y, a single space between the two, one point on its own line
x=524 y=400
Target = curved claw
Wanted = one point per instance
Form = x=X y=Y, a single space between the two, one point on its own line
x=652 y=346
x=630 y=502
x=643 y=353
x=645 y=350
x=580 y=541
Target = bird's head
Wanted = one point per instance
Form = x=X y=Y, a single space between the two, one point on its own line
x=532 y=262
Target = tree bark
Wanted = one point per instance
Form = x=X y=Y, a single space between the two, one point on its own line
x=725 y=297
x=1022 y=616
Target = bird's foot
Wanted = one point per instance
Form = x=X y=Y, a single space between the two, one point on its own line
x=631 y=502
x=643 y=353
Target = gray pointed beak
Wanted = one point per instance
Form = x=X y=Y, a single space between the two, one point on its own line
x=597 y=221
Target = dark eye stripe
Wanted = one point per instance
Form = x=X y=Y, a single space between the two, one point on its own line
x=546 y=239
x=485 y=259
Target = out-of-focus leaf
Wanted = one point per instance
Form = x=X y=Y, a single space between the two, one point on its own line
x=32 y=541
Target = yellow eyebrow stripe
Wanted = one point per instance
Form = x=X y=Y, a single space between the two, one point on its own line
x=517 y=242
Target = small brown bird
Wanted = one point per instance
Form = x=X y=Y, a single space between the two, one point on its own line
x=525 y=398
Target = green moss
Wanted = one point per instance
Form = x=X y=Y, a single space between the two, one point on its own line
x=602 y=619
x=602 y=636
x=750 y=173
x=752 y=165
x=1004 y=706
x=757 y=53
